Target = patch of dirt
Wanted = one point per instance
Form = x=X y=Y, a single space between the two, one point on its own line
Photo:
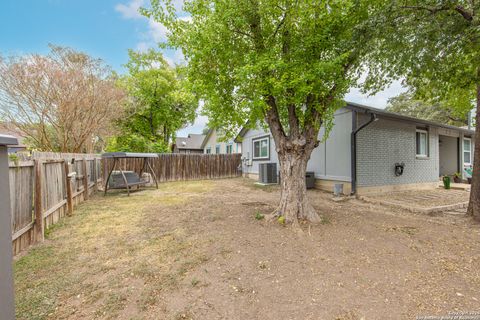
x=194 y=250
x=424 y=198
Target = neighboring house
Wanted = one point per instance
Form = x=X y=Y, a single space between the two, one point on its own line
x=190 y=144
x=8 y=129
x=213 y=144
x=388 y=151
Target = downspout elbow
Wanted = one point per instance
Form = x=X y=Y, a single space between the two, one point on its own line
x=353 y=138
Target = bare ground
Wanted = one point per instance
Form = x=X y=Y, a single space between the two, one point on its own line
x=194 y=250
x=425 y=198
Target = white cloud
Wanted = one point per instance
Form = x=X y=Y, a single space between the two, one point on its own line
x=142 y=46
x=130 y=10
x=196 y=127
x=157 y=31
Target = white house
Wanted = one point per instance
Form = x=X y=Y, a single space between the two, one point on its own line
x=215 y=144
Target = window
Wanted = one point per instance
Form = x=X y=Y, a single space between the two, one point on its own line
x=208 y=150
x=229 y=148
x=261 y=148
x=422 y=143
x=467 y=151
x=217 y=149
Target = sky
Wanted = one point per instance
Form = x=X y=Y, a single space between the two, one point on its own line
x=104 y=29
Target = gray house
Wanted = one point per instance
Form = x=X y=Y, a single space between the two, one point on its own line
x=370 y=150
x=190 y=144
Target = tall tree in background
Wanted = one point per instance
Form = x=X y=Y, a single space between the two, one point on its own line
x=435 y=44
x=406 y=104
x=159 y=104
x=65 y=101
x=284 y=63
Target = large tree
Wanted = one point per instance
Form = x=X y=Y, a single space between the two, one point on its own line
x=435 y=45
x=285 y=63
x=159 y=104
x=406 y=104
x=65 y=101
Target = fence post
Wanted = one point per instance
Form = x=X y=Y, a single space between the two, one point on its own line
x=68 y=184
x=104 y=172
x=85 y=179
x=7 y=301
x=39 y=226
x=95 y=174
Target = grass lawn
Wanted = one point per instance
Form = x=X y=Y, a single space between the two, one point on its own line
x=194 y=250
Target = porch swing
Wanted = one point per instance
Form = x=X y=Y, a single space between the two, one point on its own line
x=122 y=179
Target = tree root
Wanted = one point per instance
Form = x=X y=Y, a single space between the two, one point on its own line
x=309 y=215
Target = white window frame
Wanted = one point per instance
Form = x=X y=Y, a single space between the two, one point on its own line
x=227 y=147
x=208 y=150
x=259 y=140
x=218 y=148
x=427 y=144
x=469 y=151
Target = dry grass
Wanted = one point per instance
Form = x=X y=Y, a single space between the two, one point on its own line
x=198 y=250
x=112 y=250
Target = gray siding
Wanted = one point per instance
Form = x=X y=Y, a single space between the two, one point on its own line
x=330 y=160
x=384 y=143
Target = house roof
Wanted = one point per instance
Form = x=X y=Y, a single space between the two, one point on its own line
x=395 y=116
x=207 y=136
x=6 y=140
x=384 y=114
x=193 y=141
x=129 y=155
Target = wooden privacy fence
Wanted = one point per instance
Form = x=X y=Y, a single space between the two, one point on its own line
x=44 y=189
x=179 y=166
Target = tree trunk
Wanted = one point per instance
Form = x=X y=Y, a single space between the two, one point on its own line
x=474 y=204
x=294 y=204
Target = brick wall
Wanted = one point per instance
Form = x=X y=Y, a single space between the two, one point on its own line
x=384 y=143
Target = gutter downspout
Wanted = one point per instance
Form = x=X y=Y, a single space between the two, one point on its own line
x=353 y=141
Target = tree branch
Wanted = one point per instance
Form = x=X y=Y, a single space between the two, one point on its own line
x=434 y=10
x=279 y=25
x=465 y=14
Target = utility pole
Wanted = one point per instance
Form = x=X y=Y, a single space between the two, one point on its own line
x=7 y=302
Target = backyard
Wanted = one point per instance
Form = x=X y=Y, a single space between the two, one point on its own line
x=195 y=250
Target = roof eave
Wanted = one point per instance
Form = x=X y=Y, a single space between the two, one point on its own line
x=207 y=136
x=396 y=116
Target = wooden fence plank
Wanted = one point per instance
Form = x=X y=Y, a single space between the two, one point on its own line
x=20 y=232
x=39 y=229
x=68 y=185
x=85 y=178
x=54 y=208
